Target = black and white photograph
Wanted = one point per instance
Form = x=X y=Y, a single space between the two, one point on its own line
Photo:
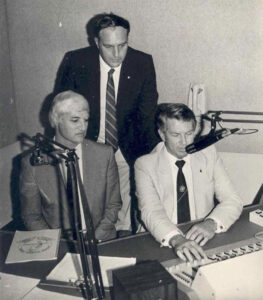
x=131 y=149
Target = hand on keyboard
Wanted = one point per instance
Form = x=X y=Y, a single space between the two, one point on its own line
x=186 y=249
x=202 y=232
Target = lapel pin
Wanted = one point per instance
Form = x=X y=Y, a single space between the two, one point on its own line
x=182 y=188
x=128 y=77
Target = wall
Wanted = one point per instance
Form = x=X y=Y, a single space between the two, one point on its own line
x=245 y=171
x=9 y=181
x=218 y=43
x=8 y=124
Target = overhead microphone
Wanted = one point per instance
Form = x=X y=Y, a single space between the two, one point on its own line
x=209 y=139
x=36 y=158
x=48 y=147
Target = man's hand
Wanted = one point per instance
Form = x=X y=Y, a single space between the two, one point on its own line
x=202 y=232
x=186 y=249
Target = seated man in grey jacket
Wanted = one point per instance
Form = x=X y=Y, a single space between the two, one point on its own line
x=173 y=187
x=44 y=201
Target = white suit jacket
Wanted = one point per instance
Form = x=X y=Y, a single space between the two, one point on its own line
x=155 y=190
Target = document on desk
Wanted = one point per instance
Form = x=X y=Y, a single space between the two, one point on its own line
x=34 y=245
x=40 y=294
x=69 y=269
x=14 y=287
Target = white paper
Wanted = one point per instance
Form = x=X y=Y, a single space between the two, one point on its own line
x=34 y=245
x=69 y=269
x=14 y=287
x=39 y=294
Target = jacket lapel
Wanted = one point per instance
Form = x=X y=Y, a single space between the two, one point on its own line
x=165 y=181
x=53 y=187
x=94 y=75
x=91 y=86
x=126 y=77
x=200 y=182
x=48 y=180
x=87 y=173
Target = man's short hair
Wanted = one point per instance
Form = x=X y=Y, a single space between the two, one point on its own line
x=57 y=109
x=110 y=20
x=178 y=111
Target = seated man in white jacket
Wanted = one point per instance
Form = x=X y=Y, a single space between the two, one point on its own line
x=171 y=192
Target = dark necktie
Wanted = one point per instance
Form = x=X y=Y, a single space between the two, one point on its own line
x=183 y=210
x=111 y=134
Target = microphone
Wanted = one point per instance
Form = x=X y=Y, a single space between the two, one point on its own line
x=36 y=158
x=209 y=139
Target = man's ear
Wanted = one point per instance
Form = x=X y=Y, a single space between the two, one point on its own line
x=161 y=134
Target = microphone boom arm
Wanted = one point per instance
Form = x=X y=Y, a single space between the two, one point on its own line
x=213 y=136
x=44 y=143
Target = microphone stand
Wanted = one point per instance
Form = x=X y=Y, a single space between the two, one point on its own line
x=213 y=136
x=216 y=116
x=90 y=286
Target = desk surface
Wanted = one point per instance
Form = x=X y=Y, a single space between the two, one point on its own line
x=142 y=246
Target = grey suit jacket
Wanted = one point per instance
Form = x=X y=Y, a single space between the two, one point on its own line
x=155 y=190
x=43 y=192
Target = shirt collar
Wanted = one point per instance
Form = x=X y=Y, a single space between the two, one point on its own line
x=79 y=150
x=78 y=147
x=105 y=67
x=174 y=159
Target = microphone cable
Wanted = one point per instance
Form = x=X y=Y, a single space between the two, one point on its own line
x=241 y=131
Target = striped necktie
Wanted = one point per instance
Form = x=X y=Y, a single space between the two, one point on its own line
x=111 y=134
x=183 y=210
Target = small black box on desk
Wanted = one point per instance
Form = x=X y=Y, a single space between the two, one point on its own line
x=144 y=281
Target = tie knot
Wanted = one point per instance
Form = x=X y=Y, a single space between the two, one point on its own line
x=111 y=71
x=180 y=163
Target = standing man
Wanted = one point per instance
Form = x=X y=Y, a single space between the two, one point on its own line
x=120 y=85
x=174 y=187
x=43 y=189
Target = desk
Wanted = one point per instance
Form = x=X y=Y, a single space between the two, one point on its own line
x=142 y=246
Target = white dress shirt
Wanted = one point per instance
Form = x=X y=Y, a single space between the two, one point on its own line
x=189 y=183
x=104 y=69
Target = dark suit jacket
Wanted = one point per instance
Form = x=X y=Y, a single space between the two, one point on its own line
x=43 y=192
x=136 y=100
